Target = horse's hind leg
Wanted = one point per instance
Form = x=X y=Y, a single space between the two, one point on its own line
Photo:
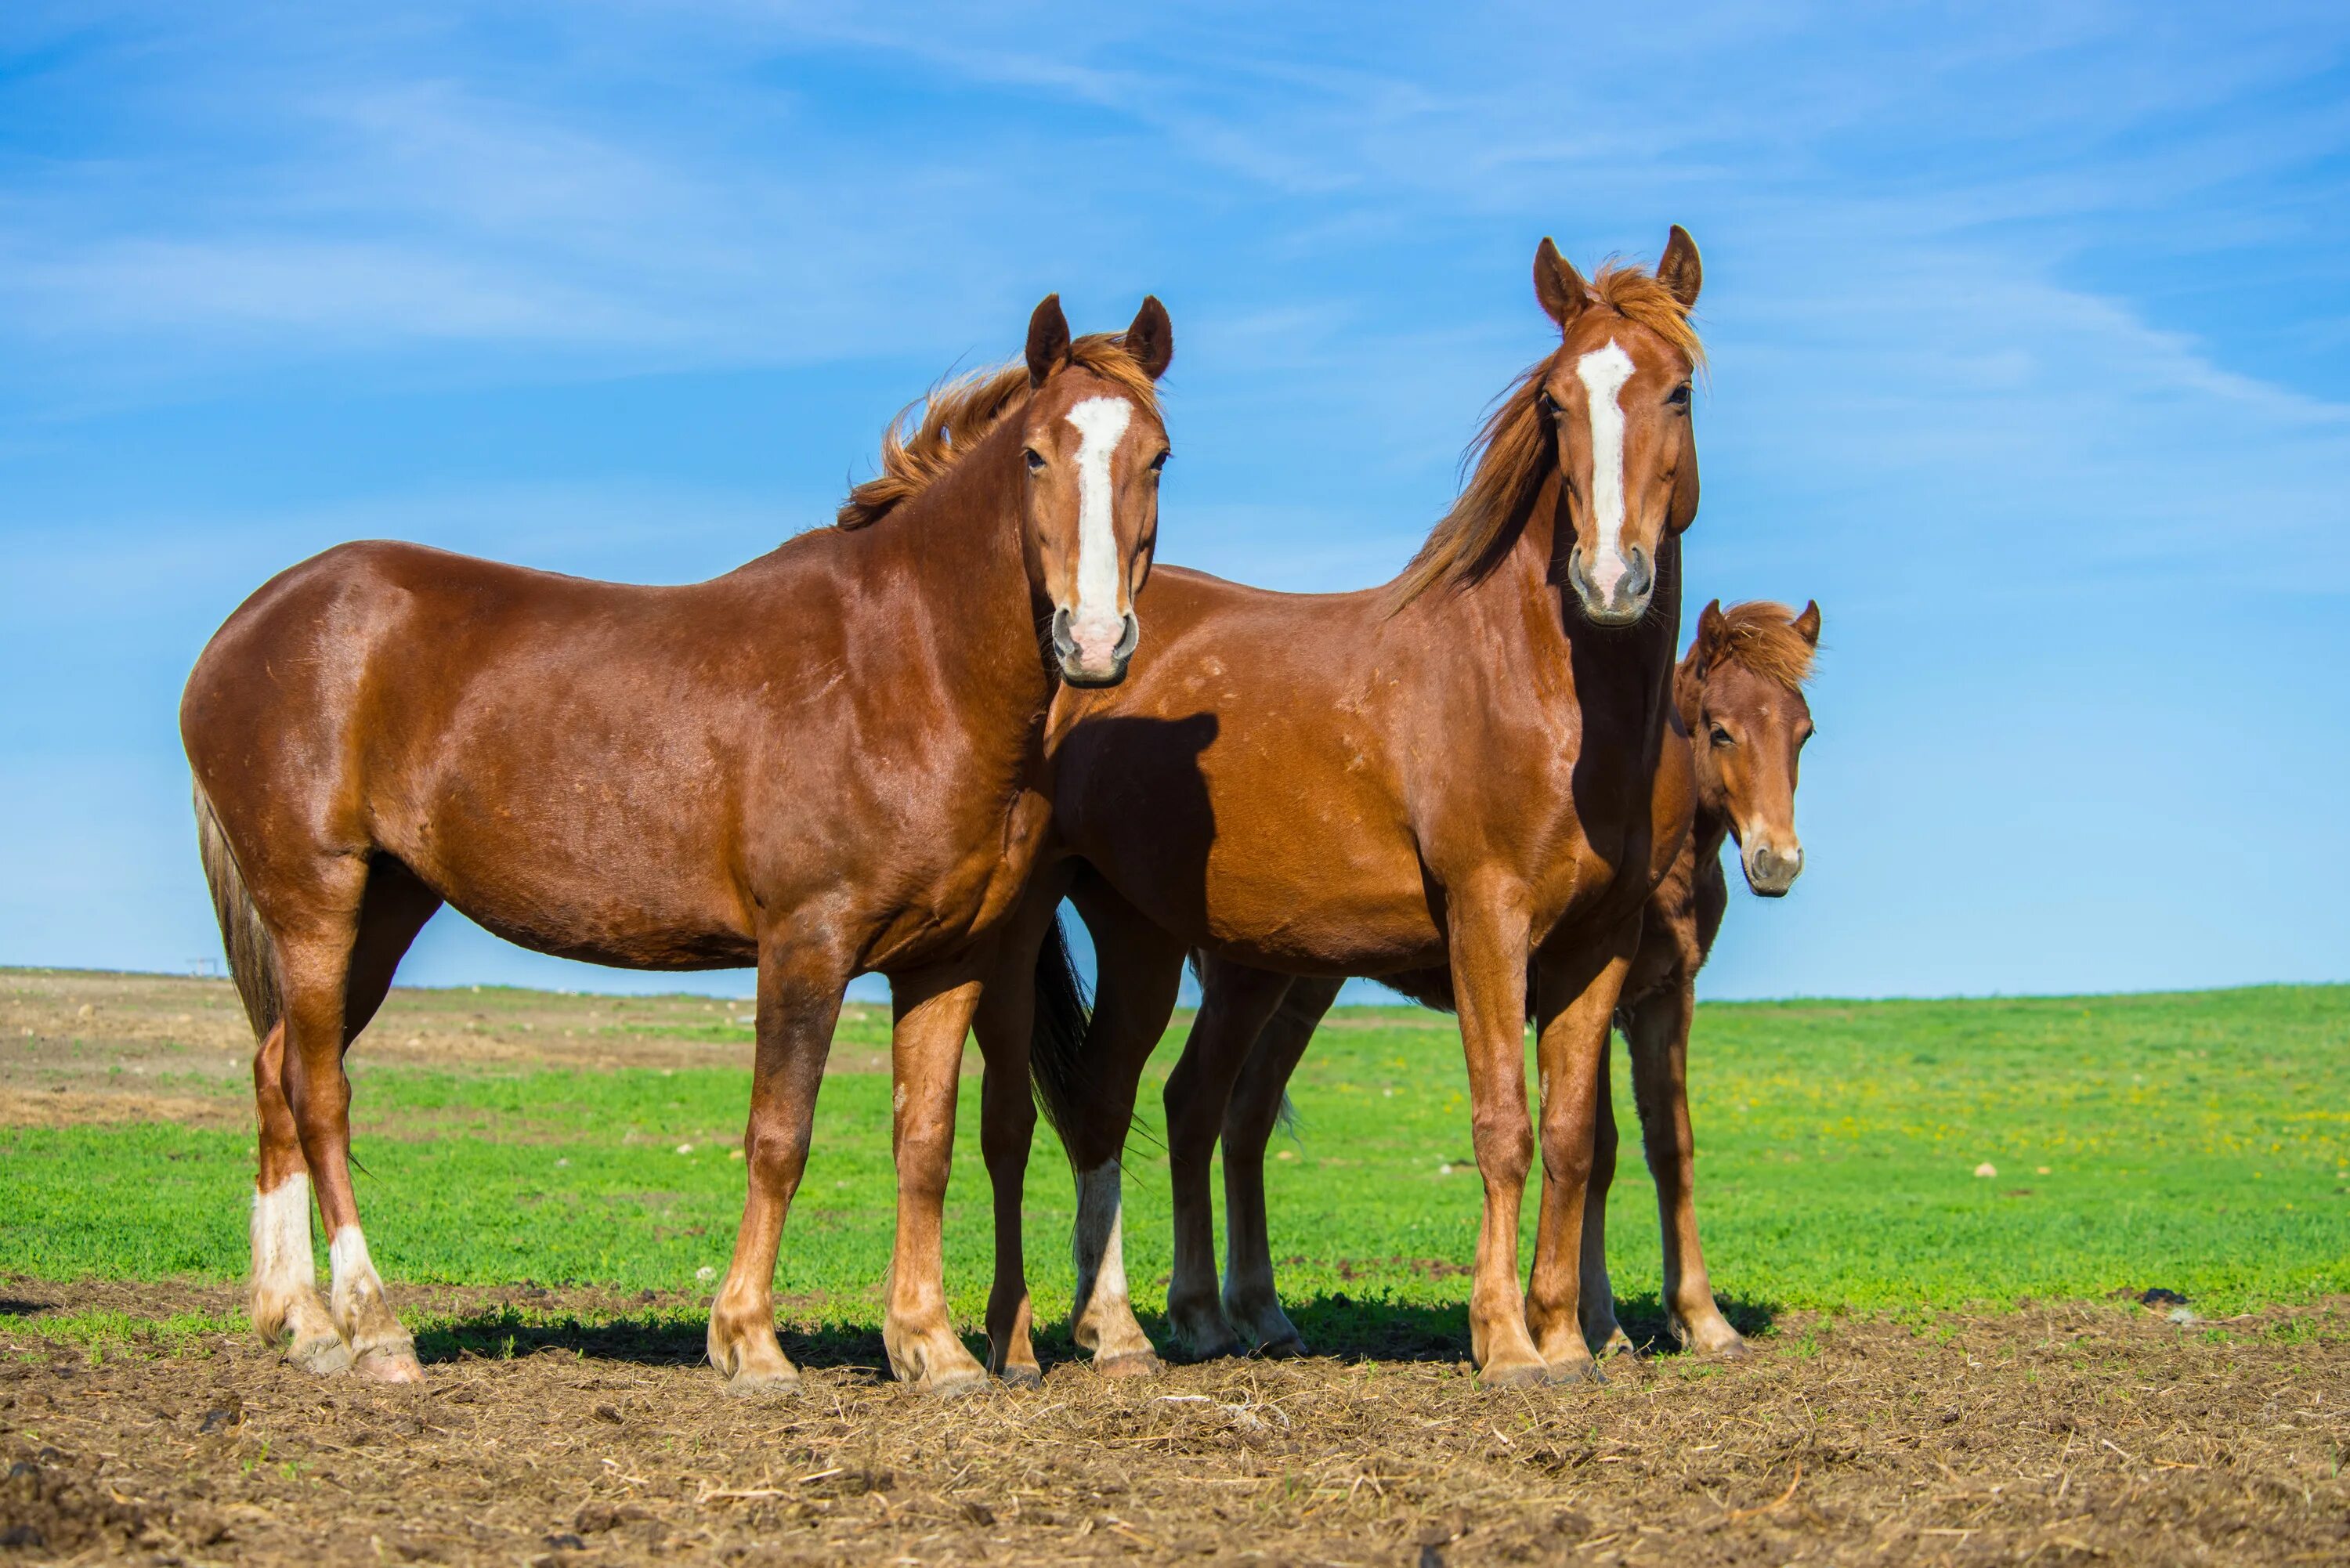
x=285 y=1301
x=1601 y=1331
x=316 y=954
x=1236 y=1003
x=1251 y=1303
x=1141 y=970
x=1003 y=1025
x=1658 y=1036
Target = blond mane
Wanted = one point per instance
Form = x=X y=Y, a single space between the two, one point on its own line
x=1761 y=637
x=1512 y=453
x=930 y=436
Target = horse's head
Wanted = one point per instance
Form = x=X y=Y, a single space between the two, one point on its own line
x=1092 y=440
x=1751 y=723
x=1617 y=396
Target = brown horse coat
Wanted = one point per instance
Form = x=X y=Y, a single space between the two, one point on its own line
x=1461 y=769
x=824 y=763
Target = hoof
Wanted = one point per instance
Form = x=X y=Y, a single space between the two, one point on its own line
x=1129 y=1364
x=1288 y=1347
x=959 y=1383
x=1515 y=1375
x=1566 y=1373
x=761 y=1385
x=388 y=1364
x=1022 y=1377
x=1736 y=1350
x=1223 y=1350
x=321 y=1356
x=1617 y=1343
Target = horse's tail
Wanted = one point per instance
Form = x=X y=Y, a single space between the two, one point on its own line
x=252 y=956
x=1057 y=1042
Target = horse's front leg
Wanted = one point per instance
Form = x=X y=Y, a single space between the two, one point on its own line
x=933 y=1010
x=1657 y=1032
x=1601 y=1331
x=1575 y=995
x=800 y=1001
x=1252 y=1298
x=1488 y=943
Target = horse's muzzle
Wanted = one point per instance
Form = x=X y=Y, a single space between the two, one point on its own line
x=1771 y=868
x=1624 y=599
x=1093 y=660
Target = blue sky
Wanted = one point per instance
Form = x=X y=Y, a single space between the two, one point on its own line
x=2028 y=327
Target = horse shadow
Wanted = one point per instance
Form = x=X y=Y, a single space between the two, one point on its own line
x=1336 y=1325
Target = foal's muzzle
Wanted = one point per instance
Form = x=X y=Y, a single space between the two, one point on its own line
x=1771 y=868
x=1093 y=658
x=1613 y=597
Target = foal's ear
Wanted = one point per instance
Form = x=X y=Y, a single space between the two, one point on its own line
x=1048 y=340
x=1713 y=634
x=1151 y=338
x=1560 y=288
x=1807 y=625
x=1679 y=269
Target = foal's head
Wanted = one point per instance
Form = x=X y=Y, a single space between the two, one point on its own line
x=1616 y=395
x=1093 y=443
x=1746 y=671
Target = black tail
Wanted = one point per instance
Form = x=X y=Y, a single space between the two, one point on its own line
x=1056 y=1045
x=252 y=956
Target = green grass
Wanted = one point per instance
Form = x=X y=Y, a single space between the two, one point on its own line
x=2197 y=1141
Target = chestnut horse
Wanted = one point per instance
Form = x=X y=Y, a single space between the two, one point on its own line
x=1738 y=692
x=1459 y=768
x=824 y=763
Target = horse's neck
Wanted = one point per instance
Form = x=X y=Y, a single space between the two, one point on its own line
x=1632 y=666
x=947 y=568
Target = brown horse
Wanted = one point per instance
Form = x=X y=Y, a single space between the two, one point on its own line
x=824 y=763
x=1738 y=692
x=1460 y=768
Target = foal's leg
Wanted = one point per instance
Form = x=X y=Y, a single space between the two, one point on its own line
x=1578 y=991
x=1659 y=1036
x=799 y=1000
x=1601 y=1331
x=1252 y=1305
x=933 y=1009
x=1487 y=942
x=1236 y=1003
x=1141 y=970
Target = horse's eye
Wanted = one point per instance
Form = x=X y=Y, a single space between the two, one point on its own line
x=1548 y=404
x=1680 y=397
x=1160 y=461
x=1035 y=459
x=1719 y=736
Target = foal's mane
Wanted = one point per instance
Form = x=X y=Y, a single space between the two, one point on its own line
x=1762 y=636
x=930 y=435
x=1514 y=452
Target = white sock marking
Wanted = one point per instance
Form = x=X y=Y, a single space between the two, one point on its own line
x=1101 y=424
x=353 y=1271
x=282 y=1258
x=1603 y=372
x=1099 y=1242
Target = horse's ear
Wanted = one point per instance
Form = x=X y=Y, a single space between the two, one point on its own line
x=1048 y=340
x=1680 y=270
x=1151 y=338
x=1713 y=634
x=1807 y=625
x=1560 y=288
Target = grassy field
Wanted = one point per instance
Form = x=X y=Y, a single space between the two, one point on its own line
x=2194 y=1141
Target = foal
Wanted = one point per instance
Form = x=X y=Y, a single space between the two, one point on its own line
x=824 y=763
x=1739 y=695
x=1467 y=767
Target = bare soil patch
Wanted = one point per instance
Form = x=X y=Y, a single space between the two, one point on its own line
x=2067 y=1433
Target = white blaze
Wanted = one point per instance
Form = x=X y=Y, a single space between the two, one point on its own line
x=1101 y=424
x=1603 y=372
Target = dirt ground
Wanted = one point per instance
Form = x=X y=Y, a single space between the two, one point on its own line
x=2069 y=1433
